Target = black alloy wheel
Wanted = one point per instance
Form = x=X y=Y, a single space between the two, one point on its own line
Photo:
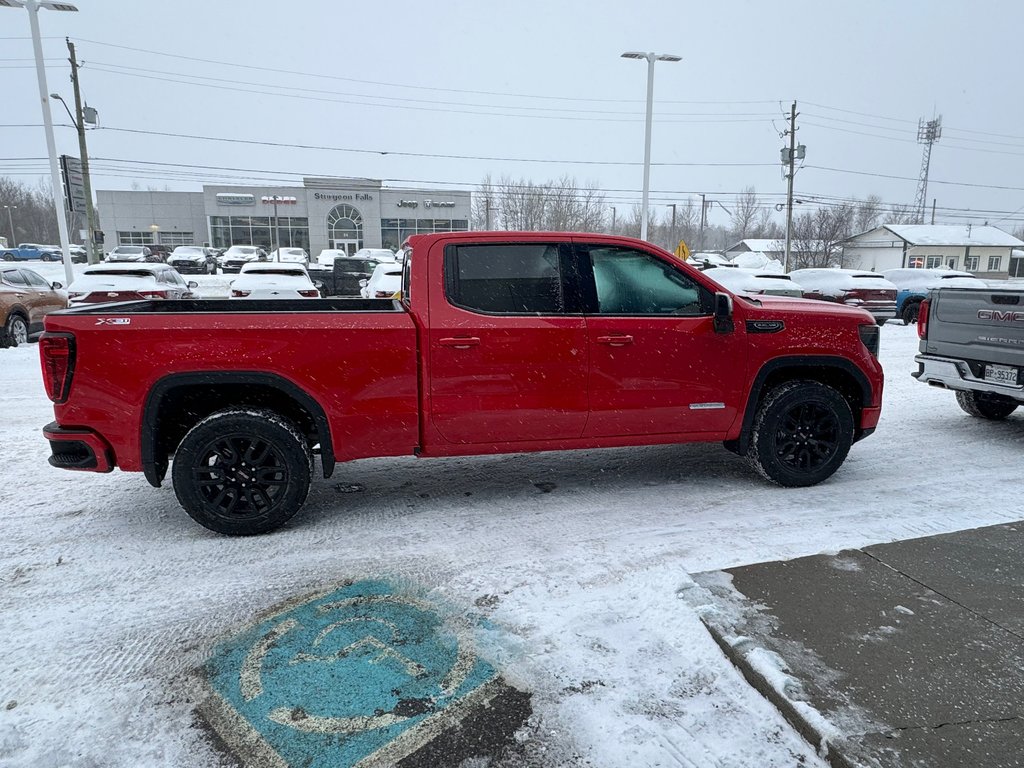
x=801 y=434
x=242 y=472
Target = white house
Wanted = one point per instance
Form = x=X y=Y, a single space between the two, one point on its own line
x=986 y=251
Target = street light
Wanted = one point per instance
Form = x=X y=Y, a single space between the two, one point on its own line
x=10 y=220
x=33 y=6
x=651 y=58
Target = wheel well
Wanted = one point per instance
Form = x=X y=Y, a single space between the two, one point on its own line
x=856 y=393
x=173 y=410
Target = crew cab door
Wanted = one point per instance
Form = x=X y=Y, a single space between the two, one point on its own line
x=508 y=354
x=657 y=366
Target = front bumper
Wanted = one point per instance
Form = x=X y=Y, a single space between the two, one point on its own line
x=190 y=267
x=78 y=448
x=950 y=373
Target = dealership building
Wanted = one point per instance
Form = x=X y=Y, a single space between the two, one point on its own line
x=343 y=213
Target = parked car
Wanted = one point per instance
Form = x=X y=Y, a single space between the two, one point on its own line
x=79 y=254
x=128 y=282
x=914 y=284
x=273 y=280
x=328 y=255
x=130 y=253
x=350 y=273
x=707 y=259
x=853 y=287
x=384 y=283
x=31 y=252
x=193 y=260
x=290 y=255
x=159 y=253
x=380 y=254
x=25 y=297
x=754 y=282
x=237 y=256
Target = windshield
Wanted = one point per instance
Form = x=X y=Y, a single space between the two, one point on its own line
x=188 y=250
x=131 y=249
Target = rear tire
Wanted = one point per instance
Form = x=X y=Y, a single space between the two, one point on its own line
x=880 y=321
x=910 y=312
x=801 y=435
x=242 y=472
x=986 y=406
x=17 y=330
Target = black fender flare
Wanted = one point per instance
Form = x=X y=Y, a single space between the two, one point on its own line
x=796 y=362
x=155 y=469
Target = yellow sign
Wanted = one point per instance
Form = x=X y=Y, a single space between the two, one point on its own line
x=682 y=251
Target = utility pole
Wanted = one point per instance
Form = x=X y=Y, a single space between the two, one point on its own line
x=90 y=211
x=10 y=220
x=672 y=241
x=613 y=219
x=790 y=157
x=933 y=210
x=487 y=215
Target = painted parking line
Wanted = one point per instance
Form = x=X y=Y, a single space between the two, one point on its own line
x=360 y=676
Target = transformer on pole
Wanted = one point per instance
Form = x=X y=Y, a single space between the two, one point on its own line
x=927 y=133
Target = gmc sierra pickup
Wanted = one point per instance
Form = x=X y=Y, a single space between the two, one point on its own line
x=972 y=342
x=502 y=342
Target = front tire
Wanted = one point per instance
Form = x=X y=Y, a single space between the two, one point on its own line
x=17 y=330
x=801 y=435
x=242 y=472
x=986 y=406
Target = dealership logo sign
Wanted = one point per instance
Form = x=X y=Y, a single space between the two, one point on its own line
x=235 y=198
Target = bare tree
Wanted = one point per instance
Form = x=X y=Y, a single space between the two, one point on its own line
x=816 y=236
x=32 y=212
x=520 y=204
x=900 y=214
x=744 y=214
x=868 y=213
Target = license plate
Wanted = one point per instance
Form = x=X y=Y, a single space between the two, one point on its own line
x=1001 y=374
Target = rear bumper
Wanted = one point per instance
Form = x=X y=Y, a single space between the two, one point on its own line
x=950 y=373
x=79 y=449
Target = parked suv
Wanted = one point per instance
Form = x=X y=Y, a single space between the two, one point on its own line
x=914 y=284
x=25 y=298
x=193 y=260
x=235 y=257
x=159 y=253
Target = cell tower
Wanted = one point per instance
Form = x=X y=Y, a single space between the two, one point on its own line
x=927 y=133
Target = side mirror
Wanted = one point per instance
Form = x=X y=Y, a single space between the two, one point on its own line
x=363 y=282
x=193 y=284
x=57 y=286
x=723 y=313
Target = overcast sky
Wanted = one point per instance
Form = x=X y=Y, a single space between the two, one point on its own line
x=455 y=90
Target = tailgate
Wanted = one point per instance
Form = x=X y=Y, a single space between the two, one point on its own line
x=976 y=324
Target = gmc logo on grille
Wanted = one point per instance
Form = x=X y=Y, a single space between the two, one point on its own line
x=998 y=314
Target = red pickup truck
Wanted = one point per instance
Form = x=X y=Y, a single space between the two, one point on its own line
x=501 y=342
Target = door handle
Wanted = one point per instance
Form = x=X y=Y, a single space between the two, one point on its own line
x=615 y=341
x=461 y=342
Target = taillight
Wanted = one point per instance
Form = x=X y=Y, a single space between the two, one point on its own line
x=57 y=354
x=922 y=318
x=235 y=294
x=310 y=293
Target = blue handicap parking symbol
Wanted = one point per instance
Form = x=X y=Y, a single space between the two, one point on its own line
x=340 y=677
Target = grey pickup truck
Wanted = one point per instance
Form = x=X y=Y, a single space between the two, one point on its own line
x=972 y=342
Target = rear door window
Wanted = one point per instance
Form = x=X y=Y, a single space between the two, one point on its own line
x=507 y=278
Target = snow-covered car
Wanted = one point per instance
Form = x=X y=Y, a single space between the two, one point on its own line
x=129 y=253
x=914 y=284
x=79 y=255
x=754 y=282
x=128 y=282
x=193 y=260
x=377 y=254
x=290 y=256
x=384 y=283
x=853 y=287
x=273 y=280
x=328 y=255
x=237 y=256
x=707 y=259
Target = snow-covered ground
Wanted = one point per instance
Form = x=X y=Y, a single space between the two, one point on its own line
x=110 y=594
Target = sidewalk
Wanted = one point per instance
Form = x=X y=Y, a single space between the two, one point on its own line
x=902 y=654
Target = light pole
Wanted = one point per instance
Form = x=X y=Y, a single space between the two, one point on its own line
x=10 y=220
x=79 y=123
x=33 y=6
x=651 y=58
